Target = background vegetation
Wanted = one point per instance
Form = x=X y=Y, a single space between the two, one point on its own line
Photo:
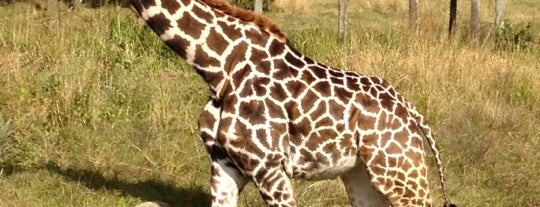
x=95 y=111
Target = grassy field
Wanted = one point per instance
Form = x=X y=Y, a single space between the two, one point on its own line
x=96 y=111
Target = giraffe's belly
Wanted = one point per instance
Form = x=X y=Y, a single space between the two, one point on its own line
x=319 y=166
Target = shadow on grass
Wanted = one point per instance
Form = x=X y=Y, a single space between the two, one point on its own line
x=151 y=190
x=7 y=169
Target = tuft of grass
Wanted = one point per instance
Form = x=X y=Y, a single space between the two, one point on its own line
x=96 y=111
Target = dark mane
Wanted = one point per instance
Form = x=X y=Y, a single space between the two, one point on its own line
x=248 y=16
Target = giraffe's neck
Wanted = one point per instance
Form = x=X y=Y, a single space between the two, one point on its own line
x=208 y=35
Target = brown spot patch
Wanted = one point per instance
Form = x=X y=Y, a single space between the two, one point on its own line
x=229 y=104
x=281 y=70
x=387 y=101
x=210 y=77
x=206 y=120
x=302 y=128
x=365 y=81
x=368 y=103
x=263 y=66
x=207 y=17
x=373 y=92
x=276 y=48
x=293 y=60
x=171 y=5
x=253 y=111
x=415 y=157
x=258 y=56
x=376 y=80
x=402 y=136
x=140 y=5
x=237 y=55
x=394 y=149
x=330 y=148
x=256 y=37
x=325 y=122
x=328 y=134
x=314 y=141
x=202 y=59
x=308 y=101
x=352 y=84
x=319 y=72
x=366 y=122
x=159 y=23
x=260 y=86
x=365 y=152
x=307 y=156
x=296 y=88
x=337 y=81
x=370 y=140
x=239 y=77
x=216 y=42
x=401 y=111
x=336 y=73
x=413 y=173
x=277 y=92
x=190 y=26
x=336 y=110
x=308 y=77
x=277 y=131
x=320 y=110
x=292 y=110
x=347 y=142
x=262 y=135
x=253 y=148
x=378 y=170
x=232 y=32
x=178 y=45
x=323 y=88
x=242 y=131
x=322 y=159
x=275 y=110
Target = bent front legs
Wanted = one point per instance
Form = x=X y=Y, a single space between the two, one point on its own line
x=227 y=181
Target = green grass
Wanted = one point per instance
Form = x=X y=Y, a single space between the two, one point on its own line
x=96 y=111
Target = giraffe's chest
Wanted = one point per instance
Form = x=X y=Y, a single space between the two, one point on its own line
x=329 y=159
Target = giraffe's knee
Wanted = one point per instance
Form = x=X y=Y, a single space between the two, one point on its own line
x=275 y=187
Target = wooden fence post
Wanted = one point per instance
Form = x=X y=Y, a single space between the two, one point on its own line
x=342 y=22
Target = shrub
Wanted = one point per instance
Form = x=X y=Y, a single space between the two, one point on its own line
x=513 y=36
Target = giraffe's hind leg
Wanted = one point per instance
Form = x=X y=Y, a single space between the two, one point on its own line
x=399 y=172
x=361 y=193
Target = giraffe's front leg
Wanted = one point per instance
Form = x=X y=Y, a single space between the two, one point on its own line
x=227 y=183
x=226 y=180
x=264 y=163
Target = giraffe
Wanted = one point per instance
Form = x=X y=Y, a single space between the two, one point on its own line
x=274 y=115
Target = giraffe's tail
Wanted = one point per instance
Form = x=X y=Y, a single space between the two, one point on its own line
x=426 y=130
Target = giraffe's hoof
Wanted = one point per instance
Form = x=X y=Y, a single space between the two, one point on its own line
x=153 y=204
x=450 y=205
